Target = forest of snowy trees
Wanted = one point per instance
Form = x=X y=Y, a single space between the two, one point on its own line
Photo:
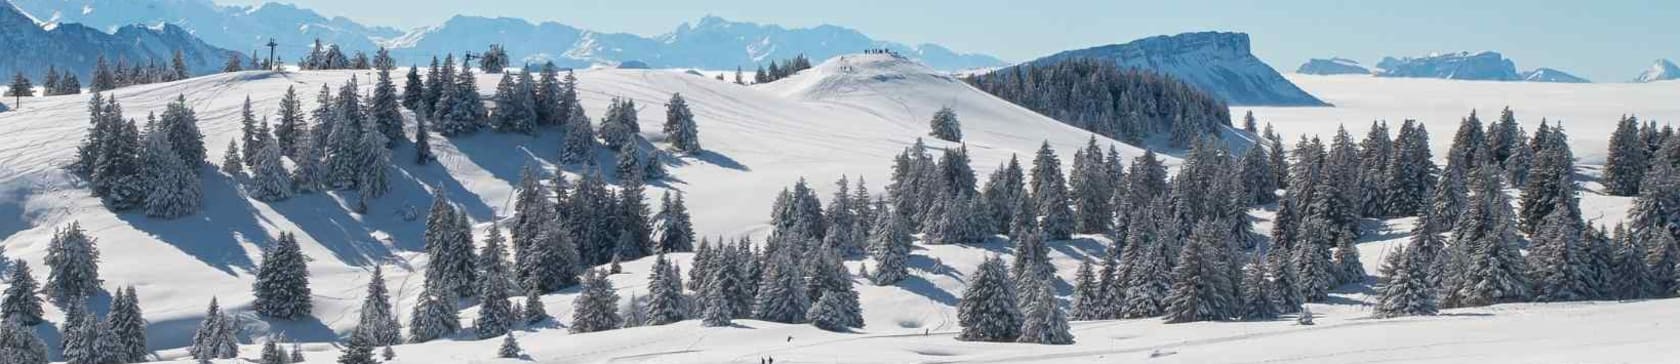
x=1181 y=245
x=1125 y=104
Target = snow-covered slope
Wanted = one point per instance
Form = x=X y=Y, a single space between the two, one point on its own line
x=1661 y=70
x=1218 y=63
x=1551 y=75
x=848 y=116
x=30 y=47
x=1332 y=66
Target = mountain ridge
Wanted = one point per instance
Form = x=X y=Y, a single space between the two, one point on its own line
x=1219 y=63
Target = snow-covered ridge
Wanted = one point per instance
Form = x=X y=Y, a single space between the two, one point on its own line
x=1216 y=62
x=1332 y=66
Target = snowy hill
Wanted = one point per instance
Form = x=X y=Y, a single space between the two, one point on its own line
x=30 y=47
x=848 y=116
x=1218 y=63
x=1661 y=70
x=1551 y=75
x=1332 y=66
x=710 y=43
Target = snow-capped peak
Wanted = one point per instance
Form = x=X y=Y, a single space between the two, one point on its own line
x=1661 y=70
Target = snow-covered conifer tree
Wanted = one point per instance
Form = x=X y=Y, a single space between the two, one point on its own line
x=515 y=110
x=376 y=322
x=509 y=349
x=890 y=246
x=18 y=344
x=21 y=305
x=1625 y=166
x=282 y=286
x=1042 y=319
x=385 y=109
x=665 y=298
x=269 y=179
x=988 y=309
x=781 y=296
x=680 y=127
x=434 y=315
x=73 y=260
x=596 y=307
x=945 y=126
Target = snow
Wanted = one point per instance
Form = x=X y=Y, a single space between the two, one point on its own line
x=847 y=116
x=1660 y=70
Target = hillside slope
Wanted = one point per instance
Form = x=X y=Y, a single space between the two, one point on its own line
x=759 y=140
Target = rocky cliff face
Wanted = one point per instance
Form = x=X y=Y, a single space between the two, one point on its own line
x=1216 y=62
x=1485 y=66
x=1332 y=66
x=32 y=48
x=1551 y=75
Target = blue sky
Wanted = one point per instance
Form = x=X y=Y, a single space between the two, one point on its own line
x=1605 y=40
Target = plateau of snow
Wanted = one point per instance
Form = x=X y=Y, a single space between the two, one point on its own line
x=847 y=116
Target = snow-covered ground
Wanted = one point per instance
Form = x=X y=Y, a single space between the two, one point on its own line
x=848 y=116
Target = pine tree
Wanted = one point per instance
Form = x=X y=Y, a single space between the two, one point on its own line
x=578 y=143
x=1257 y=303
x=449 y=244
x=826 y=313
x=21 y=305
x=515 y=110
x=945 y=126
x=665 y=298
x=422 y=136
x=73 y=260
x=1625 y=166
x=434 y=315
x=309 y=171
x=180 y=127
x=890 y=247
x=127 y=328
x=1406 y=191
x=596 y=308
x=676 y=231
x=680 y=126
x=781 y=296
x=1493 y=271
x=546 y=96
x=1409 y=289
x=1556 y=262
x=509 y=349
x=988 y=309
x=1196 y=293
x=376 y=322
x=271 y=353
x=357 y=351
x=1662 y=255
x=1551 y=181
x=18 y=344
x=414 y=89
x=269 y=179
x=385 y=109
x=495 y=312
x=81 y=341
x=1043 y=321
x=1345 y=260
x=344 y=152
x=282 y=286
x=19 y=88
x=173 y=187
x=533 y=311
x=373 y=177
x=215 y=338
x=1086 y=294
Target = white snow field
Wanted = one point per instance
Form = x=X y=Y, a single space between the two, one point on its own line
x=847 y=116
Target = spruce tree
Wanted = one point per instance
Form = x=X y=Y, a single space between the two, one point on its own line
x=1086 y=293
x=509 y=349
x=988 y=309
x=1633 y=277
x=945 y=126
x=73 y=261
x=578 y=143
x=890 y=246
x=596 y=307
x=180 y=126
x=18 y=344
x=215 y=338
x=676 y=229
x=1256 y=300
x=282 y=286
x=680 y=127
x=781 y=296
x=1551 y=181
x=533 y=311
x=1494 y=270
x=1043 y=321
x=1406 y=191
x=377 y=322
x=414 y=89
x=515 y=110
x=434 y=315
x=269 y=179
x=495 y=312
x=173 y=186
x=1409 y=289
x=1556 y=262
x=385 y=109
x=81 y=341
x=1625 y=166
x=1196 y=293
x=127 y=327
x=665 y=298
x=357 y=351
x=21 y=305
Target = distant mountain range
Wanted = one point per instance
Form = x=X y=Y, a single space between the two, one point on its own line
x=1481 y=66
x=31 y=47
x=1219 y=63
x=711 y=43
